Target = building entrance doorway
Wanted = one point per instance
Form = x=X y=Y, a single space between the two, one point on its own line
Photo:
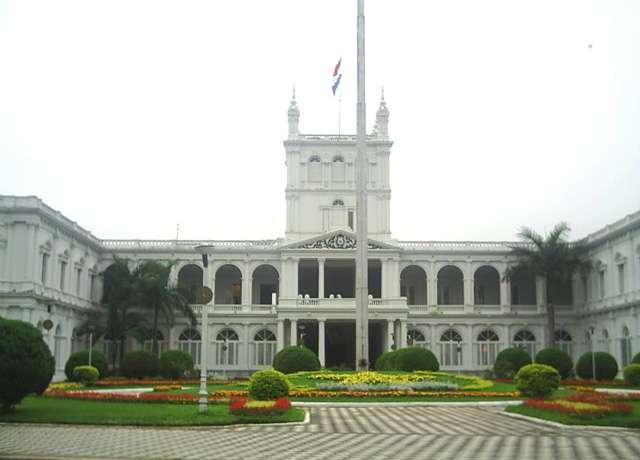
x=340 y=343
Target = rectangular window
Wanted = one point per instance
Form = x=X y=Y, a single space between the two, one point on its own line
x=63 y=273
x=350 y=219
x=45 y=267
x=621 y=278
x=585 y=288
x=92 y=288
x=601 y=284
x=78 y=280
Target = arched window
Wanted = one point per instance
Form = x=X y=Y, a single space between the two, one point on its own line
x=58 y=345
x=450 y=347
x=413 y=285
x=148 y=342
x=190 y=342
x=227 y=347
x=525 y=340
x=337 y=169
x=486 y=286
x=563 y=341
x=415 y=338
x=625 y=346
x=315 y=169
x=264 y=348
x=450 y=286
x=228 y=285
x=190 y=279
x=605 y=340
x=487 y=347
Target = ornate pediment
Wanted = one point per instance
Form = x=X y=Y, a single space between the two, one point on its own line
x=336 y=241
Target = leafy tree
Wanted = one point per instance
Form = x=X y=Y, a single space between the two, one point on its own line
x=153 y=293
x=552 y=258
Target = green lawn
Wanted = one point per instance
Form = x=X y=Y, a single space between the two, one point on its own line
x=627 y=421
x=53 y=410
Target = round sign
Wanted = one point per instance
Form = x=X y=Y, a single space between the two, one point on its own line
x=47 y=324
x=204 y=295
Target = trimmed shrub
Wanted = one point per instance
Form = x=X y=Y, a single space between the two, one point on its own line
x=86 y=374
x=139 y=364
x=415 y=359
x=537 y=380
x=81 y=358
x=606 y=366
x=294 y=359
x=26 y=364
x=509 y=361
x=383 y=361
x=175 y=364
x=632 y=374
x=556 y=358
x=268 y=384
x=636 y=359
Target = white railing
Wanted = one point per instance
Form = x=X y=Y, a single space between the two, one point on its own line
x=462 y=246
x=236 y=309
x=30 y=288
x=340 y=302
x=188 y=244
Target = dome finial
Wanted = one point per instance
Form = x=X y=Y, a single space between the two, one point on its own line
x=293 y=115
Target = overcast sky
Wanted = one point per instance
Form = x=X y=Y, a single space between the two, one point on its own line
x=133 y=116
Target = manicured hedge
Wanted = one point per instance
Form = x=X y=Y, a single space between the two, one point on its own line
x=81 y=358
x=537 y=380
x=509 y=361
x=556 y=358
x=26 y=364
x=294 y=359
x=414 y=359
x=636 y=359
x=139 y=364
x=384 y=360
x=606 y=366
x=87 y=375
x=632 y=374
x=268 y=384
x=174 y=364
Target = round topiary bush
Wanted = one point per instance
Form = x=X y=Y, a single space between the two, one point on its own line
x=26 y=364
x=509 y=361
x=268 y=384
x=537 y=380
x=636 y=359
x=139 y=364
x=294 y=359
x=606 y=366
x=384 y=360
x=415 y=359
x=81 y=358
x=556 y=358
x=632 y=374
x=174 y=364
x=86 y=374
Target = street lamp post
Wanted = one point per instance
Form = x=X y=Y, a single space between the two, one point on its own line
x=592 y=331
x=204 y=341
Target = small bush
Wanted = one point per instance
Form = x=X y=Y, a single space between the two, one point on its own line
x=415 y=359
x=606 y=366
x=87 y=375
x=26 y=364
x=383 y=361
x=632 y=374
x=294 y=359
x=636 y=359
x=557 y=359
x=537 y=380
x=81 y=358
x=268 y=384
x=139 y=364
x=509 y=361
x=175 y=364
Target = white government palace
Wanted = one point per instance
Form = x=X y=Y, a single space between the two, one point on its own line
x=447 y=296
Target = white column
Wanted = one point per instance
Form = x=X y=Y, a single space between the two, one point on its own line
x=403 y=333
x=468 y=291
x=321 y=356
x=280 y=335
x=247 y=281
x=321 y=279
x=384 y=290
x=505 y=287
x=294 y=283
x=390 y=334
x=294 y=332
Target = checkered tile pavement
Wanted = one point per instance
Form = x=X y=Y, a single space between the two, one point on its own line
x=459 y=433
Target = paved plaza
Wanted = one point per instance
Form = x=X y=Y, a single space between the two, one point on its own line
x=333 y=433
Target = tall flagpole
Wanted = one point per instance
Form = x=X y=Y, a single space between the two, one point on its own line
x=362 y=293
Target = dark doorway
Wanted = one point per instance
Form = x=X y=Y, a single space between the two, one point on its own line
x=340 y=349
x=308 y=335
x=376 y=336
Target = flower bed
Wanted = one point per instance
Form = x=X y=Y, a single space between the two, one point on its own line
x=588 y=404
x=247 y=408
x=304 y=393
x=134 y=382
x=150 y=397
x=580 y=382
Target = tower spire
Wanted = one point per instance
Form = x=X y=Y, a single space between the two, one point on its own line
x=381 y=128
x=293 y=114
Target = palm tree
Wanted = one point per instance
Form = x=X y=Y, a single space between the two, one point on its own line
x=553 y=258
x=152 y=292
x=116 y=319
